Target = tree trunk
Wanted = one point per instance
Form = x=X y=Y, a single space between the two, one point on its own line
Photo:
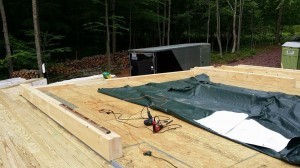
x=107 y=38
x=130 y=25
x=158 y=25
x=6 y=39
x=227 y=41
x=252 y=28
x=219 y=28
x=212 y=43
x=37 y=37
x=164 y=23
x=169 y=23
x=234 y=27
x=189 y=21
x=114 y=28
x=278 y=24
x=208 y=23
x=189 y=31
x=77 y=53
x=240 y=24
x=228 y=37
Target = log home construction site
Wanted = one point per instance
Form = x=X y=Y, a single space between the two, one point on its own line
x=193 y=118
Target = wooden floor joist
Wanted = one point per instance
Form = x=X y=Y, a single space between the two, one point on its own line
x=108 y=145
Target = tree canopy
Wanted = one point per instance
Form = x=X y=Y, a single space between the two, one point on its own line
x=72 y=29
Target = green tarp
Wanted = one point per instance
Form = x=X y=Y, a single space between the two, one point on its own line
x=197 y=97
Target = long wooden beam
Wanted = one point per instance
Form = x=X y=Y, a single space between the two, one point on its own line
x=168 y=76
x=256 y=79
x=264 y=71
x=103 y=141
x=268 y=68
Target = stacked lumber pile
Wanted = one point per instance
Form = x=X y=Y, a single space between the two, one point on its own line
x=87 y=66
x=61 y=68
x=98 y=63
x=27 y=74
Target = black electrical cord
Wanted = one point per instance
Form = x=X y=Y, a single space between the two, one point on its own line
x=169 y=128
x=121 y=120
x=118 y=118
x=165 y=160
x=107 y=111
x=149 y=153
x=125 y=120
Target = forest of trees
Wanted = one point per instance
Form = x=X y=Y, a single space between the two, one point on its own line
x=72 y=29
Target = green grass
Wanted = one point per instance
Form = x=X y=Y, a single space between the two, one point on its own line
x=232 y=57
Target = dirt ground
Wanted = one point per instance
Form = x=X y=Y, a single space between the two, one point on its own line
x=269 y=58
x=123 y=73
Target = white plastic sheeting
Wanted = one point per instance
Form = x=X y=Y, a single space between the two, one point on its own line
x=11 y=82
x=236 y=126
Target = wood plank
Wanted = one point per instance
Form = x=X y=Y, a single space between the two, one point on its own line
x=25 y=143
x=275 y=82
x=55 y=147
x=272 y=71
x=33 y=82
x=107 y=145
x=39 y=138
x=20 y=139
x=144 y=79
x=264 y=71
x=268 y=68
x=255 y=86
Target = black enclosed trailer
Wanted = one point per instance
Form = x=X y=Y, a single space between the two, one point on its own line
x=169 y=58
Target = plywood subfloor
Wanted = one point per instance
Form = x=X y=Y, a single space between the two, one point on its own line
x=29 y=138
x=188 y=146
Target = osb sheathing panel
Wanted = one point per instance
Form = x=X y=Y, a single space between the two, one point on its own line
x=188 y=146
